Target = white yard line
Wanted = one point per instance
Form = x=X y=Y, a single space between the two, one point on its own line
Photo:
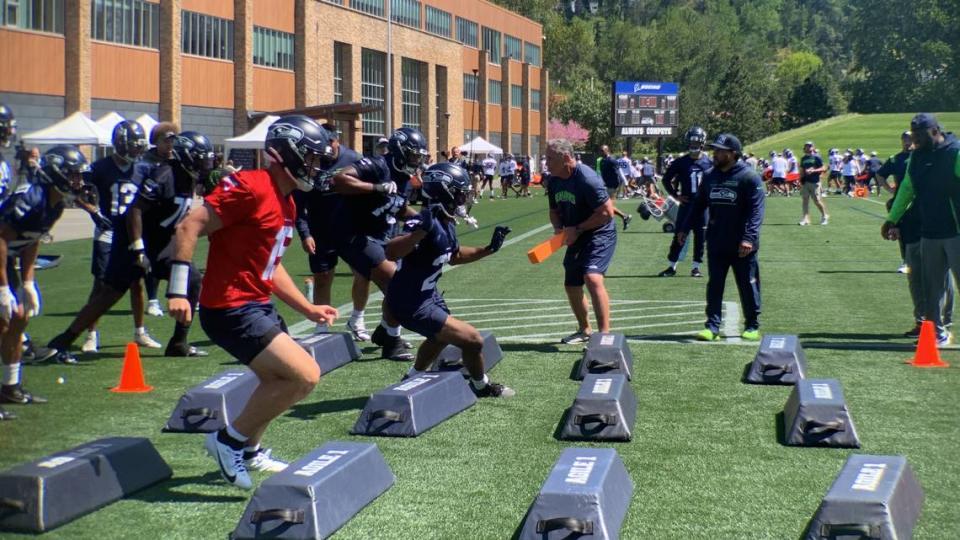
x=521 y=320
x=571 y=320
x=537 y=337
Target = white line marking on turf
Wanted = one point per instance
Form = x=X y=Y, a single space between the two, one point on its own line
x=305 y=327
x=731 y=321
x=572 y=320
x=548 y=316
x=538 y=337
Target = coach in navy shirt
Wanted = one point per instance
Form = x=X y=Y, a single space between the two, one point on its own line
x=581 y=209
x=733 y=193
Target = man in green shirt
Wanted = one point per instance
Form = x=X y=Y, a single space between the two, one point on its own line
x=932 y=183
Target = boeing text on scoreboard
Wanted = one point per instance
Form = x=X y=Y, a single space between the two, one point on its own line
x=645 y=109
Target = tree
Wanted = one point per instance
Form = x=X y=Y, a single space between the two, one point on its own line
x=816 y=98
x=572 y=131
x=739 y=107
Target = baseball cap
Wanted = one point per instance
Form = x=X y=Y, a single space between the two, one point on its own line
x=808 y=143
x=924 y=121
x=726 y=141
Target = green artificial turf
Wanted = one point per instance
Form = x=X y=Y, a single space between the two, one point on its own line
x=705 y=459
x=873 y=132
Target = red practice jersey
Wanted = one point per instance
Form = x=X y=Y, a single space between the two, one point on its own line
x=257 y=228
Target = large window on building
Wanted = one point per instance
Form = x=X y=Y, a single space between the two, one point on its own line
x=337 y=2
x=373 y=66
x=339 y=50
x=494 y=92
x=516 y=144
x=439 y=22
x=410 y=92
x=467 y=32
x=531 y=54
x=535 y=152
x=273 y=48
x=535 y=100
x=491 y=43
x=516 y=96
x=405 y=12
x=131 y=22
x=471 y=86
x=514 y=47
x=495 y=138
x=374 y=7
x=41 y=15
x=205 y=35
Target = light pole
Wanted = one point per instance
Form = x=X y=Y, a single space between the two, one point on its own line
x=476 y=108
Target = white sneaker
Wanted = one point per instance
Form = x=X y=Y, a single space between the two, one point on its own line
x=825 y=220
x=803 y=222
x=144 y=340
x=358 y=329
x=904 y=269
x=230 y=461
x=262 y=461
x=92 y=343
x=154 y=309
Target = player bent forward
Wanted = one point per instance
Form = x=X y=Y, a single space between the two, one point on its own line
x=429 y=243
x=249 y=220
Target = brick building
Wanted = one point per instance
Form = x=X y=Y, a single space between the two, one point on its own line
x=457 y=68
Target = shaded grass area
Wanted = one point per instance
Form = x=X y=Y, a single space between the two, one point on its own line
x=705 y=459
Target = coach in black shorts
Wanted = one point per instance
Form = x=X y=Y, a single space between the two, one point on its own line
x=581 y=208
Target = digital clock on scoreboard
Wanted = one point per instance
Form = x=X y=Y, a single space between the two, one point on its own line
x=645 y=109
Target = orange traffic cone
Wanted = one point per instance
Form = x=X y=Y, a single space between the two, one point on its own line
x=131 y=378
x=927 y=354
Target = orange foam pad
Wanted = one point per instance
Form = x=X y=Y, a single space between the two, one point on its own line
x=545 y=249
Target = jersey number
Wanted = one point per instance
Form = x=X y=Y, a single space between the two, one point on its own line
x=280 y=243
x=122 y=196
x=430 y=283
x=183 y=206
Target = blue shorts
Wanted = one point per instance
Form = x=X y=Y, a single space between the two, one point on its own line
x=590 y=255
x=426 y=319
x=120 y=271
x=243 y=331
x=363 y=253
x=99 y=258
x=325 y=257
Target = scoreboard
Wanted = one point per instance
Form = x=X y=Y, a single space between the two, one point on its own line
x=645 y=109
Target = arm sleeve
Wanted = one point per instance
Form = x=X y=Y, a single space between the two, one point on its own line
x=905 y=196
x=232 y=201
x=300 y=198
x=756 y=201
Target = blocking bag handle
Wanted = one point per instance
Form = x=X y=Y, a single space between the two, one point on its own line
x=813 y=427
x=831 y=531
x=606 y=366
x=286 y=515
x=392 y=416
x=605 y=419
x=580 y=526
x=767 y=368
x=199 y=411
x=12 y=504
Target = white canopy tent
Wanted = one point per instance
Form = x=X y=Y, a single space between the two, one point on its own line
x=147 y=122
x=480 y=146
x=109 y=121
x=252 y=139
x=74 y=129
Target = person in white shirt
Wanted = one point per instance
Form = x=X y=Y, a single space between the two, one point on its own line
x=850 y=169
x=836 y=177
x=778 y=177
x=508 y=171
x=489 y=171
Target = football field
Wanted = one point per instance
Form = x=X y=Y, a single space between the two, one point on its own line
x=705 y=458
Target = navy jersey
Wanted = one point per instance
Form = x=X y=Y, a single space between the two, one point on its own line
x=576 y=198
x=116 y=190
x=417 y=274
x=317 y=209
x=686 y=173
x=165 y=194
x=28 y=212
x=610 y=172
x=374 y=214
x=6 y=178
x=735 y=199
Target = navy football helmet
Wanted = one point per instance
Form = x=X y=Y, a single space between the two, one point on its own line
x=408 y=149
x=302 y=146
x=194 y=151
x=8 y=126
x=62 y=167
x=695 y=138
x=129 y=140
x=446 y=187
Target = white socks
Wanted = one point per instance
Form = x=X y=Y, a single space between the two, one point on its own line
x=11 y=374
x=480 y=384
x=392 y=331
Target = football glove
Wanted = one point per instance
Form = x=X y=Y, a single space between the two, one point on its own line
x=30 y=294
x=8 y=303
x=499 y=235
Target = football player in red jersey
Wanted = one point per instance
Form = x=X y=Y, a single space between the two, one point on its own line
x=249 y=219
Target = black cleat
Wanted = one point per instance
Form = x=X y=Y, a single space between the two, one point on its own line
x=626 y=221
x=396 y=351
x=181 y=350
x=696 y=273
x=14 y=393
x=669 y=272
x=63 y=357
x=6 y=415
x=493 y=390
x=381 y=338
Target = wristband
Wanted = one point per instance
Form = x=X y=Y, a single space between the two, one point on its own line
x=179 y=279
x=136 y=245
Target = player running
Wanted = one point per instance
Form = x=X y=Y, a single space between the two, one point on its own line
x=429 y=243
x=249 y=219
x=28 y=214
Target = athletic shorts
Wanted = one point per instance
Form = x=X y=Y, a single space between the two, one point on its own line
x=325 y=257
x=363 y=253
x=244 y=331
x=836 y=175
x=488 y=178
x=506 y=180
x=810 y=189
x=779 y=181
x=588 y=256
x=427 y=319
x=99 y=258
x=120 y=272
